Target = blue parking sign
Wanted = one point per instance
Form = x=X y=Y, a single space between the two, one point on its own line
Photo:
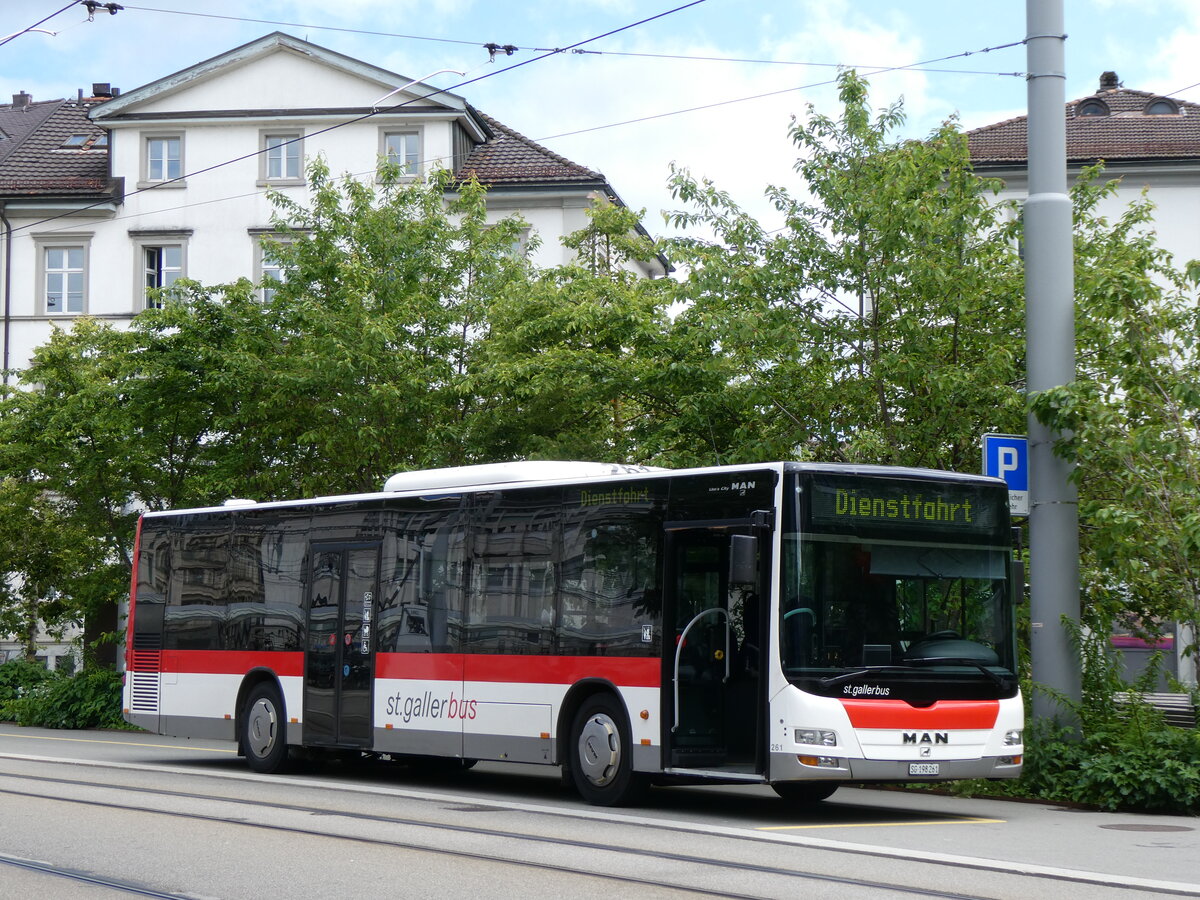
x=1007 y=456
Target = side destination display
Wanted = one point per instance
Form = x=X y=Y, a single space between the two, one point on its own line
x=859 y=505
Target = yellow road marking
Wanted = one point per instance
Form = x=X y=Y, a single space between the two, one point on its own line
x=955 y=821
x=39 y=737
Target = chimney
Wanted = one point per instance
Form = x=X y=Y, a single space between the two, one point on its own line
x=1108 y=82
x=22 y=99
x=101 y=89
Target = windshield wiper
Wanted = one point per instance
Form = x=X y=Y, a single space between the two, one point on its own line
x=956 y=661
x=909 y=664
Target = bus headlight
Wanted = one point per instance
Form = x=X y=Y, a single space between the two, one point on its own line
x=1014 y=738
x=816 y=736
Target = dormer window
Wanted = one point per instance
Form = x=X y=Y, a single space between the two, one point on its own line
x=85 y=142
x=1093 y=106
x=1162 y=106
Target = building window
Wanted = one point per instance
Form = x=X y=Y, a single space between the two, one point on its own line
x=64 y=280
x=94 y=141
x=160 y=260
x=282 y=157
x=269 y=271
x=1092 y=107
x=62 y=272
x=162 y=267
x=1162 y=106
x=403 y=149
x=162 y=160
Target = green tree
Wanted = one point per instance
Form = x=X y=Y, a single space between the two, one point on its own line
x=1131 y=419
x=883 y=323
x=355 y=368
x=55 y=572
x=565 y=368
x=381 y=314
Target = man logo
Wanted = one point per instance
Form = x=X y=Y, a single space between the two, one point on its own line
x=926 y=737
x=927 y=751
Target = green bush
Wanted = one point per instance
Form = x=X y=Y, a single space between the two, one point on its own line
x=1124 y=756
x=18 y=676
x=91 y=699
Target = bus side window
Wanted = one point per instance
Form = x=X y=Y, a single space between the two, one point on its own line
x=420 y=581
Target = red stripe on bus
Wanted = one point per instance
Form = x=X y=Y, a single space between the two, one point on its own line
x=231 y=662
x=978 y=714
x=627 y=671
x=431 y=666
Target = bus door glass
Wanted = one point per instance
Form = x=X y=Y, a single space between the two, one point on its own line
x=715 y=659
x=341 y=622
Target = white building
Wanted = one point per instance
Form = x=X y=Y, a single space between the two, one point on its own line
x=1145 y=140
x=106 y=195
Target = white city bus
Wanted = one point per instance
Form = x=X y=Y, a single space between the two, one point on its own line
x=790 y=624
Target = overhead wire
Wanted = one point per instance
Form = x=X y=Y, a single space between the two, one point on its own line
x=804 y=87
x=17 y=34
x=510 y=48
x=884 y=70
x=343 y=30
x=816 y=65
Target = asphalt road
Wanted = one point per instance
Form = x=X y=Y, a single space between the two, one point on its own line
x=102 y=814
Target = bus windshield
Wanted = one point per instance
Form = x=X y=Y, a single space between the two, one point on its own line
x=896 y=609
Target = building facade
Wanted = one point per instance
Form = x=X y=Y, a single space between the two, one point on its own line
x=105 y=196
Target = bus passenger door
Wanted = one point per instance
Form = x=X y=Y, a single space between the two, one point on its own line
x=714 y=663
x=338 y=660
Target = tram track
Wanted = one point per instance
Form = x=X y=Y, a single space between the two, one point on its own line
x=705 y=867
x=626 y=855
x=87 y=878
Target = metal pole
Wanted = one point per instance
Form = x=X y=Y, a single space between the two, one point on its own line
x=1050 y=349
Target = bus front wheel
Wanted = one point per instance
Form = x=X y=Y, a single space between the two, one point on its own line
x=601 y=758
x=263 y=737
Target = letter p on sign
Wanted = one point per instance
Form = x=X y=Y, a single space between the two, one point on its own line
x=1009 y=461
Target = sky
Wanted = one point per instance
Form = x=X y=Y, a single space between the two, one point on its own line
x=711 y=87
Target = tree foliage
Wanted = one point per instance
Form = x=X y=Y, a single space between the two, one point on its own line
x=884 y=323
x=1131 y=419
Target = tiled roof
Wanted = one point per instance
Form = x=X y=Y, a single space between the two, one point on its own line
x=39 y=166
x=19 y=120
x=511 y=158
x=1128 y=132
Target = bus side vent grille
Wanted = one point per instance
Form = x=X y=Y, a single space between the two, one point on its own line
x=147 y=640
x=144 y=693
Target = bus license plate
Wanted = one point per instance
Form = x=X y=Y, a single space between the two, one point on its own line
x=922 y=768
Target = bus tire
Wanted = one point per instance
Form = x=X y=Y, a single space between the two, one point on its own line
x=264 y=729
x=805 y=792
x=601 y=758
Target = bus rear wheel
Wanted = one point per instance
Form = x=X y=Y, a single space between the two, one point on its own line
x=601 y=754
x=263 y=737
x=805 y=791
